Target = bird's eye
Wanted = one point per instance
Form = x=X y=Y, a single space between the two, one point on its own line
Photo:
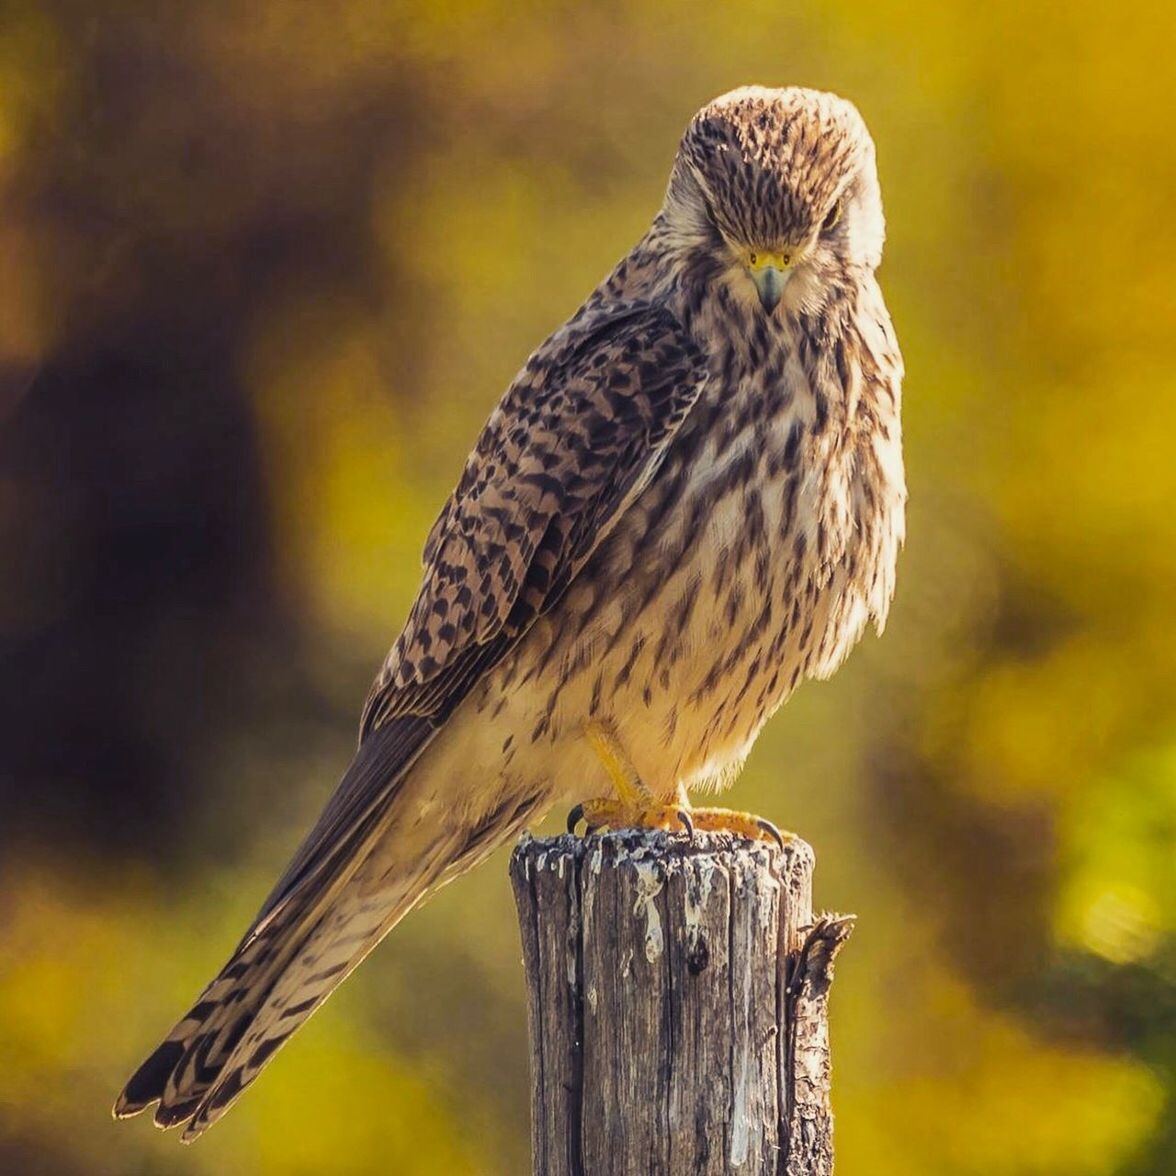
x=833 y=217
x=753 y=258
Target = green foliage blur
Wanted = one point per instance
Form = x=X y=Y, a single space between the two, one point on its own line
x=264 y=269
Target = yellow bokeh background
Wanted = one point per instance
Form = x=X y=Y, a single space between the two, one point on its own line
x=264 y=270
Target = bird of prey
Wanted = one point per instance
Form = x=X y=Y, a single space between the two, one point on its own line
x=690 y=499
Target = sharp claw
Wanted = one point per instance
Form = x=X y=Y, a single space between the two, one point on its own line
x=771 y=831
x=574 y=818
x=687 y=823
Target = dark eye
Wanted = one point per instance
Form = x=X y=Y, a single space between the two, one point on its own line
x=832 y=217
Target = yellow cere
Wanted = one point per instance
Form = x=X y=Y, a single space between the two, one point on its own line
x=762 y=259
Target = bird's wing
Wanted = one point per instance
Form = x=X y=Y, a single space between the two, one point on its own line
x=576 y=437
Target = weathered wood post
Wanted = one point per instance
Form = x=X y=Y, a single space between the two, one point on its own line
x=677 y=1005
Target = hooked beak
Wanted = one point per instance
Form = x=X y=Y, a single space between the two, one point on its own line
x=770 y=273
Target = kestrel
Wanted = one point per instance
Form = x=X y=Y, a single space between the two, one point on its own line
x=690 y=499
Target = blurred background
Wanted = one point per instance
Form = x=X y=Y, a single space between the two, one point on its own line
x=265 y=268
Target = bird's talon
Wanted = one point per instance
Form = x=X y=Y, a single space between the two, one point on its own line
x=771 y=831
x=575 y=816
x=687 y=823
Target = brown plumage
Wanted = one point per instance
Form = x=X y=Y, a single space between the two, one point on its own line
x=690 y=499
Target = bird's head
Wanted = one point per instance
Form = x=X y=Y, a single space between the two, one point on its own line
x=777 y=191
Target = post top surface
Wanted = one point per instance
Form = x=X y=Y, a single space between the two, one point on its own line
x=642 y=846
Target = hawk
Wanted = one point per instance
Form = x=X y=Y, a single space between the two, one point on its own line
x=689 y=500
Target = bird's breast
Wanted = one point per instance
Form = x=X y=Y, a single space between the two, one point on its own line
x=753 y=558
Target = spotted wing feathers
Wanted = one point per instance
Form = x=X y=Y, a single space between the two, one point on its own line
x=578 y=435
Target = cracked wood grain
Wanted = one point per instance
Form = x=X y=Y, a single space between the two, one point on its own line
x=678 y=1006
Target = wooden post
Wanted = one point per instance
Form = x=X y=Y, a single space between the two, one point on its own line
x=677 y=1004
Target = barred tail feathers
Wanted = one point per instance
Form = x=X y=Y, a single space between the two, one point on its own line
x=268 y=989
x=338 y=944
x=186 y=1064
x=366 y=864
x=413 y=859
x=191 y=1060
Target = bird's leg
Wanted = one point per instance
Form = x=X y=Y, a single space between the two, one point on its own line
x=632 y=805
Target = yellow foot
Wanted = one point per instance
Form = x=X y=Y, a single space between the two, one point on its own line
x=635 y=807
x=610 y=813
x=748 y=825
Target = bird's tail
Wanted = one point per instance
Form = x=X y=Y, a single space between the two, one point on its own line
x=363 y=867
x=367 y=862
x=277 y=977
